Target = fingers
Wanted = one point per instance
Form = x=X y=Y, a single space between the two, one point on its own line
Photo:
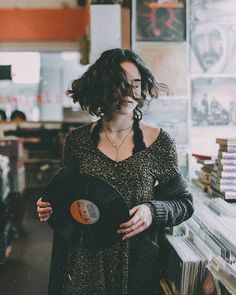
x=135 y=232
x=44 y=219
x=138 y=215
x=40 y=203
x=140 y=221
x=131 y=222
x=44 y=210
x=44 y=216
x=131 y=228
x=133 y=210
x=134 y=229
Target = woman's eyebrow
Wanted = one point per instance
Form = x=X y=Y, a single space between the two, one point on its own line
x=136 y=80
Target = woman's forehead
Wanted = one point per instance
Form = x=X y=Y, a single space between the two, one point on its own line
x=131 y=70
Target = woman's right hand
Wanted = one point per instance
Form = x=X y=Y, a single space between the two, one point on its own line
x=44 y=210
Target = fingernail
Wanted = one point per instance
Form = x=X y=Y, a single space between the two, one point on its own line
x=124 y=238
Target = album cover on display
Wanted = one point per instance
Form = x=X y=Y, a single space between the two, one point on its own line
x=160 y=21
x=213 y=101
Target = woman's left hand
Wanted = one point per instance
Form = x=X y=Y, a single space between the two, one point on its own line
x=141 y=220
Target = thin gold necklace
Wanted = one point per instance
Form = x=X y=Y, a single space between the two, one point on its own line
x=114 y=144
x=121 y=130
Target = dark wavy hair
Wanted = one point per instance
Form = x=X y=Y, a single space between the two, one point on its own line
x=101 y=88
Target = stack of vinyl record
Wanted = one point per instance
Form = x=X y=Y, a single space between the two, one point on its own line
x=203 y=179
x=223 y=177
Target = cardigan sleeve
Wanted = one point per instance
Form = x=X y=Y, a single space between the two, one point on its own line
x=172 y=202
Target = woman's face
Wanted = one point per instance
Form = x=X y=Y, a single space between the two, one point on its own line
x=134 y=78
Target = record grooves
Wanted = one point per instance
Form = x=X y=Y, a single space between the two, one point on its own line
x=86 y=210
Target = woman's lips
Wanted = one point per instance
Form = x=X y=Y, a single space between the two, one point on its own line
x=127 y=102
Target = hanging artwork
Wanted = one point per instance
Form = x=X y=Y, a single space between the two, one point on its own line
x=160 y=20
x=163 y=59
x=213 y=37
x=213 y=101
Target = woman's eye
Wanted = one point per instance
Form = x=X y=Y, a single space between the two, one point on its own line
x=135 y=85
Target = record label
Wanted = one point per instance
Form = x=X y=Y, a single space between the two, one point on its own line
x=84 y=211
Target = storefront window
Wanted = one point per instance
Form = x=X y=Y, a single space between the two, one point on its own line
x=38 y=83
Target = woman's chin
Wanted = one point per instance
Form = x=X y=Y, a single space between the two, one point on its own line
x=125 y=111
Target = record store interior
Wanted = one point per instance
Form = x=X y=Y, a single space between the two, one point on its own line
x=190 y=46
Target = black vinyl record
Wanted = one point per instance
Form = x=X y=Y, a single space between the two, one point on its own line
x=86 y=210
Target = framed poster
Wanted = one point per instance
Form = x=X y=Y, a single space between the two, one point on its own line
x=213 y=37
x=160 y=20
x=213 y=101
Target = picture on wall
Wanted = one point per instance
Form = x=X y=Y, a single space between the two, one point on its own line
x=222 y=11
x=160 y=20
x=171 y=114
x=213 y=36
x=213 y=101
x=167 y=61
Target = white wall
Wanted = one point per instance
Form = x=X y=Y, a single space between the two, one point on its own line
x=105 y=29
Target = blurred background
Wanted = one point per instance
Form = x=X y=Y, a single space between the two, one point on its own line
x=188 y=45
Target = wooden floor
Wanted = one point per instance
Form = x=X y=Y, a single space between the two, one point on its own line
x=26 y=270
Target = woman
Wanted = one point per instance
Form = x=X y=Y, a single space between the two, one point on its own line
x=131 y=156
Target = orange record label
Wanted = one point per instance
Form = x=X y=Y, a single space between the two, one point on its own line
x=84 y=211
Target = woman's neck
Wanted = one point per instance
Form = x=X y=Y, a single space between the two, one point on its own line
x=118 y=123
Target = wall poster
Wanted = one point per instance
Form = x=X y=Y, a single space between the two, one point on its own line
x=160 y=20
x=213 y=101
x=213 y=36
